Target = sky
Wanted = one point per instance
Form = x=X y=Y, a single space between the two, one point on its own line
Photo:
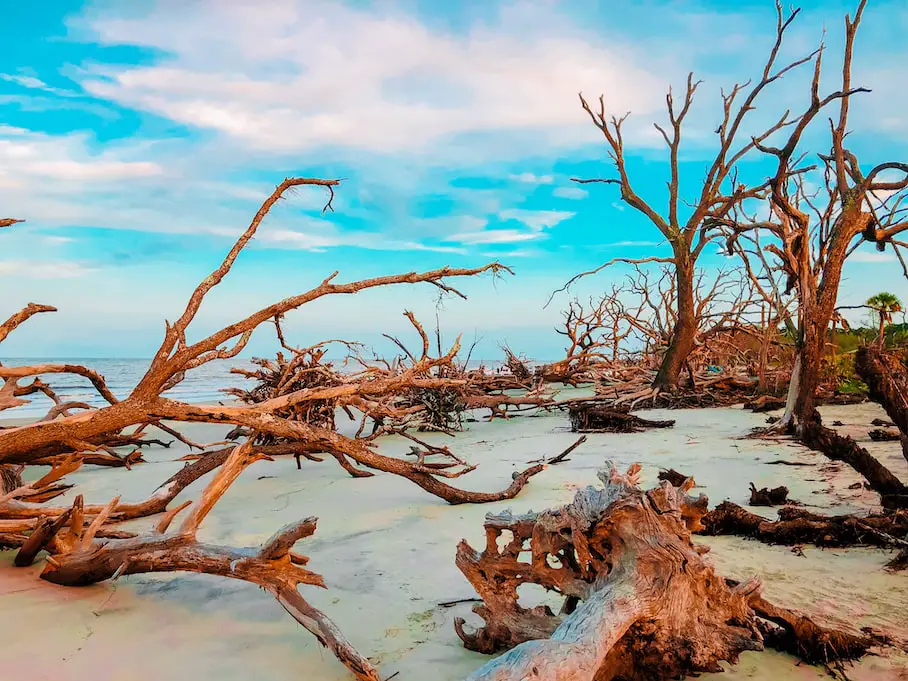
x=138 y=139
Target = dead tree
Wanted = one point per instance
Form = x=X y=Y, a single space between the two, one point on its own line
x=887 y=381
x=637 y=604
x=145 y=405
x=811 y=234
x=684 y=228
x=797 y=526
x=594 y=334
x=730 y=333
x=78 y=557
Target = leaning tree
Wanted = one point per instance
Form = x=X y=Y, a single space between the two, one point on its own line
x=685 y=224
x=810 y=232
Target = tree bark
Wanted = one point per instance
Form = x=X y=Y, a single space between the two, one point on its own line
x=684 y=333
x=887 y=381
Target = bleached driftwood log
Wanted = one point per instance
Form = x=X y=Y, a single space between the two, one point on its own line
x=640 y=601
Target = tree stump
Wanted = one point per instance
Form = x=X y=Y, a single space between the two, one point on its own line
x=640 y=601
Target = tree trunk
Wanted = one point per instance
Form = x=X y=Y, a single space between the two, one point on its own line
x=887 y=381
x=684 y=333
x=801 y=405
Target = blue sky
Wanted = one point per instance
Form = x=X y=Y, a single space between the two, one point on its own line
x=137 y=139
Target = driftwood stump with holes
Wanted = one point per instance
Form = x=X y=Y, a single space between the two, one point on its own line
x=640 y=601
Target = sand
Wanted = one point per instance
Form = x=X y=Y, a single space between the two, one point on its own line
x=386 y=549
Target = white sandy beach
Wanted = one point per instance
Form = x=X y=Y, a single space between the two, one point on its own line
x=386 y=550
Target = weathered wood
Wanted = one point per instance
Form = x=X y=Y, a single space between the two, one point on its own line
x=589 y=417
x=887 y=383
x=884 y=435
x=674 y=477
x=639 y=599
x=84 y=559
x=797 y=526
x=768 y=497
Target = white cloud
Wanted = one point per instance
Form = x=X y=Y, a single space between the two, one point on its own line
x=38 y=269
x=329 y=75
x=530 y=178
x=537 y=220
x=517 y=253
x=323 y=235
x=57 y=240
x=31 y=155
x=494 y=236
x=871 y=256
x=24 y=81
x=570 y=193
x=33 y=83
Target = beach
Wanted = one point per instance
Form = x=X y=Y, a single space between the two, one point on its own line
x=386 y=550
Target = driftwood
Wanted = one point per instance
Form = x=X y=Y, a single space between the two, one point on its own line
x=768 y=497
x=590 y=417
x=673 y=477
x=639 y=599
x=561 y=458
x=884 y=435
x=893 y=493
x=10 y=477
x=765 y=403
x=796 y=526
x=772 y=403
x=145 y=406
x=79 y=557
x=887 y=383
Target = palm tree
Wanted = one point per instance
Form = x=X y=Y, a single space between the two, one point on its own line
x=884 y=305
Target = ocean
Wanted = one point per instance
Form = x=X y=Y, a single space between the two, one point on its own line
x=202 y=385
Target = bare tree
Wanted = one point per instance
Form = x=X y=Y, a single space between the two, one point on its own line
x=685 y=225
x=810 y=234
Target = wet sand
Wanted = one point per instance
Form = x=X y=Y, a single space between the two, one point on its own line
x=386 y=550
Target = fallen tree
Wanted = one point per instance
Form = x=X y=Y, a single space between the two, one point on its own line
x=893 y=492
x=594 y=417
x=796 y=526
x=639 y=599
x=78 y=556
x=89 y=430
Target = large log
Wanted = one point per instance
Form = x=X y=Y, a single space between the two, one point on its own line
x=892 y=491
x=639 y=599
x=797 y=526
